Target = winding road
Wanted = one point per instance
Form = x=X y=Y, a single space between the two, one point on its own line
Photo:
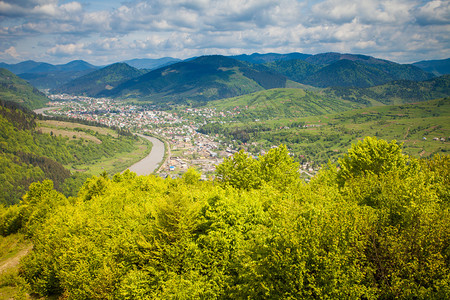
x=148 y=164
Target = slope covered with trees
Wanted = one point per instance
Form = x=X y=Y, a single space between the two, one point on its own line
x=202 y=79
x=15 y=89
x=350 y=70
x=28 y=155
x=436 y=67
x=395 y=92
x=106 y=78
x=377 y=228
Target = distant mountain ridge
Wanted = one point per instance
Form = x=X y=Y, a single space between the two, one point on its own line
x=149 y=63
x=257 y=58
x=208 y=77
x=46 y=76
x=31 y=66
x=335 y=69
x=436 y=67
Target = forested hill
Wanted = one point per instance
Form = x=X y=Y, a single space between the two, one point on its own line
x=202 y=79
x=376 y=228
x=28 y=155
x=396 y=92
x=104 y=79
x=436 y=67
x=15 y=89
x=335 y=69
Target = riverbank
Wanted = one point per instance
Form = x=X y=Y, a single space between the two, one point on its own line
x=151 y=162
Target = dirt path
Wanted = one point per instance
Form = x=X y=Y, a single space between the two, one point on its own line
x=14 y=261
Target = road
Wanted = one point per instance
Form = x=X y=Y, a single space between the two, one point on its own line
x=149 y=163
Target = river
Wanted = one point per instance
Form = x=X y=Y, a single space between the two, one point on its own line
x=42 y=110
x=148 y=164
x=145 y=166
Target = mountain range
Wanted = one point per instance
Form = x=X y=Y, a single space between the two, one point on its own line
x=214 y=77
x=202 y=79
x=95 y=82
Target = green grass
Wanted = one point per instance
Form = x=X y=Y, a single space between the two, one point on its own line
x=119 y=162
x=329 y=136
x=12 y=248
x=283 y=103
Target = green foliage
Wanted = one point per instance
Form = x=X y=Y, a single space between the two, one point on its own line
x=191 y=176
x=27 y=155
x=239 y=171
x=371 y=157
x=276 y=168
x=93 y=83
x=260 y=233
x=15 y=89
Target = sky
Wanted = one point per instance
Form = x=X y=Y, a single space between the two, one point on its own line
x=107 y=31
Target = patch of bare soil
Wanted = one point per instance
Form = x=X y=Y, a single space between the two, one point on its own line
x=14 y=261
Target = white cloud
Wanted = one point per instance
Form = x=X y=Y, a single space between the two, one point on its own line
x=69 y=49
x=194 y=27
x=434 y=12
x=11 y=51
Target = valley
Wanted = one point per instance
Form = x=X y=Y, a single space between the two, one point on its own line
x=244 y=152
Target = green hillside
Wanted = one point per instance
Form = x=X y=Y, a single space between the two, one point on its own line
x=295 y=69
x=362 y=74
x=436 y=67
x=283 y=103
x=322 y=137
x=396 y=92
x=203 y=79
x=15 y=89
x=32 y=150
x=106 y=78
x=346 y=70
x=347 y=73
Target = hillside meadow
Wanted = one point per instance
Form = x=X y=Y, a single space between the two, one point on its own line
x=422 y=127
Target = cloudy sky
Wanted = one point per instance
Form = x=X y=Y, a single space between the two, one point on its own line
x=107 y=31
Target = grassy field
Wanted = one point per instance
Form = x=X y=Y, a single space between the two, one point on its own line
x=60 y=125
x=423 y=128
x=117 y=163
x=12 y=248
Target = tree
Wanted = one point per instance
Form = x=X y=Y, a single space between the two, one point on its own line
x=371 y=156
x=239 y=171
x=276 y=168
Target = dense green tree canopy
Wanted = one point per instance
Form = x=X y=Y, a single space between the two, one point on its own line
x=370 y=230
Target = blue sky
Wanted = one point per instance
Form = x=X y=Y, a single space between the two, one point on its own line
x=107 y=31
